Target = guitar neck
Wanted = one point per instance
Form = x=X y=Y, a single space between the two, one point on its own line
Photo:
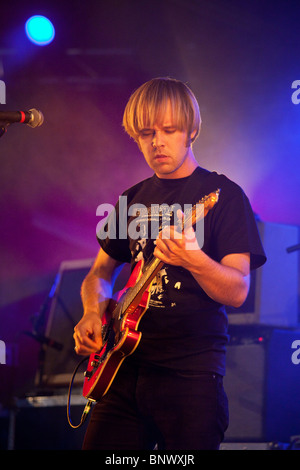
x=133 y=297
x=134 y=294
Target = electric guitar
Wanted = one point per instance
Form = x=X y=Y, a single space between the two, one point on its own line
x=120 y=322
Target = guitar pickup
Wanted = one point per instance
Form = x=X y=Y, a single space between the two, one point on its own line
x=96 y=361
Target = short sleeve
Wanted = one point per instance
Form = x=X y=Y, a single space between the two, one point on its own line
x=235 y=229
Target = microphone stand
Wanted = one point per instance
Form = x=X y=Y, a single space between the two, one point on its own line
x=290 y=249
x=39 y=321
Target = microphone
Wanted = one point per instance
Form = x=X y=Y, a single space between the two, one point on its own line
x=32 y=118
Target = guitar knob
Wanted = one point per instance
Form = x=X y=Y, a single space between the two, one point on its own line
x=88 y=374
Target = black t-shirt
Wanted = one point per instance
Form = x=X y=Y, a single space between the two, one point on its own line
x=183 y=329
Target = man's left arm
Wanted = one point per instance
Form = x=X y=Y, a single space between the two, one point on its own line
x=226 y=282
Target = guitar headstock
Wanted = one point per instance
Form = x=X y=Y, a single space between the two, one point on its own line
x=210 y=201
x=202 y=207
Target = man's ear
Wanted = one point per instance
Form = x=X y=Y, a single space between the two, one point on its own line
x=191 y=138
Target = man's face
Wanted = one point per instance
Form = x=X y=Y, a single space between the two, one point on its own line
x=165 y=148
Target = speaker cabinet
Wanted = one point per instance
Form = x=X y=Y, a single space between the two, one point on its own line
x=244 y=384
x=58 y=363
x=263 y=385
x=283 y=385
x=274 y=293
x=45 y=427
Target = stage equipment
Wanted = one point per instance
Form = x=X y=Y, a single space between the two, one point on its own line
x=65 y=312
x=273 y=297
x=263 y=383
x=39 y=30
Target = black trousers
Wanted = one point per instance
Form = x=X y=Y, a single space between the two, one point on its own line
x=145 y=408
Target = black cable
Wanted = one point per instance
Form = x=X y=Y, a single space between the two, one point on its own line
x=87 y=406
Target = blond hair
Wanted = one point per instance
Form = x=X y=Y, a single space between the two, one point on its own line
x=147 y=106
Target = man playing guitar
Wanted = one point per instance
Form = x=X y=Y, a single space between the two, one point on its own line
x=169 y=391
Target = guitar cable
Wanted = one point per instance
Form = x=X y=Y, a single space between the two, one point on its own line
x=87 y=406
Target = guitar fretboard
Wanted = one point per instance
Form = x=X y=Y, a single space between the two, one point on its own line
x=149 y=272
x=198 y=212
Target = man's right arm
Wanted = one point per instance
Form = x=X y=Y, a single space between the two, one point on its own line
x=96 y=292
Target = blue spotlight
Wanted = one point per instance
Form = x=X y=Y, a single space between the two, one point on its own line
x=39 y=30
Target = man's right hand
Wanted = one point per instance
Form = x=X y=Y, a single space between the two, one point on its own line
x=87 y=334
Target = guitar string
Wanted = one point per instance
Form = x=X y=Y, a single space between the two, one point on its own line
x=152 y=264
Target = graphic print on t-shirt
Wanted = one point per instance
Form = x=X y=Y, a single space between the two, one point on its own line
x=150 y=221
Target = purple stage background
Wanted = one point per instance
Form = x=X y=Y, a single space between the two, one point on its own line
x=240 y=58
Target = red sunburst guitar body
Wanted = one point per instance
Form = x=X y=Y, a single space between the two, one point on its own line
x=120 y=339
x=120 y=323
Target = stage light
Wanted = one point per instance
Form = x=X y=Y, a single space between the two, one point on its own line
x=39 y=30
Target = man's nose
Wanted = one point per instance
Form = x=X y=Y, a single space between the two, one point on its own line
x=158 y=139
